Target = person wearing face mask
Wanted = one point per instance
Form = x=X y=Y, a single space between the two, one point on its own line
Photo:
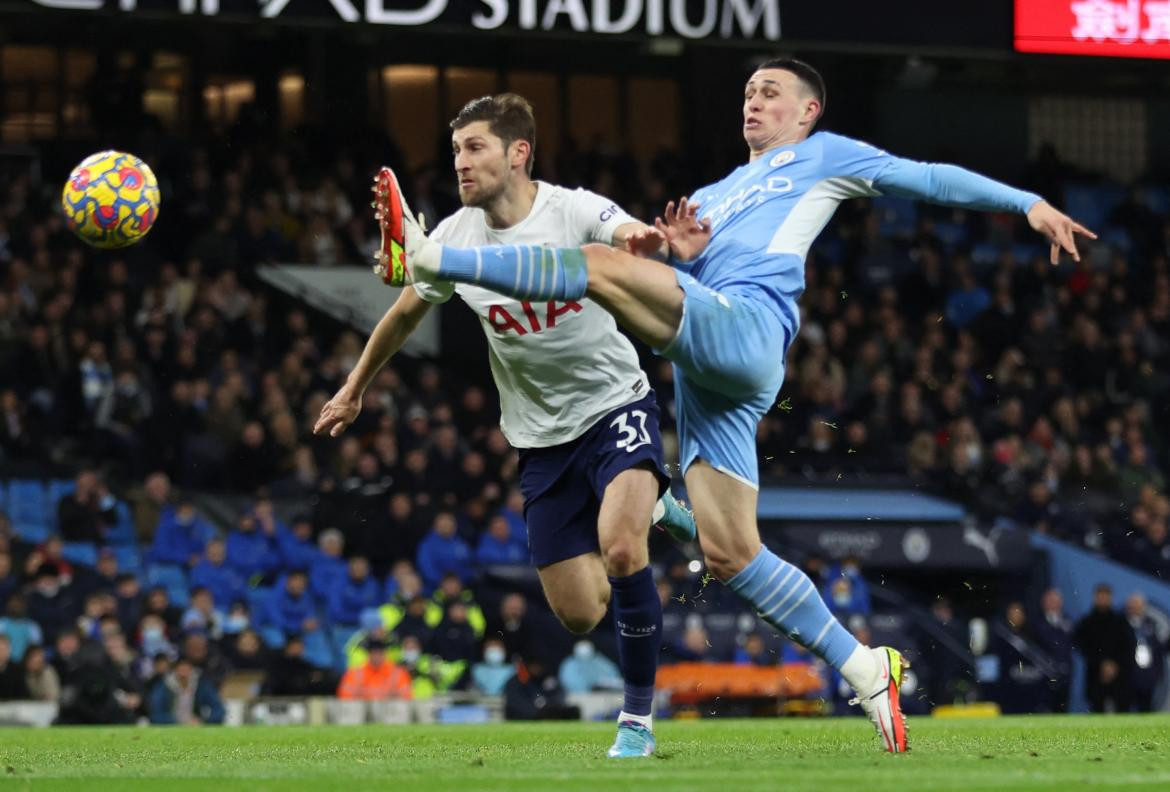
x=586 y=670
x=490 y=676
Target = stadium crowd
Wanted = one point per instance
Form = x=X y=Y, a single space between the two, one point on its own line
x=937 y=347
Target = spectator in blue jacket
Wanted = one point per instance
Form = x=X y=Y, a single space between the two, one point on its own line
x=250 y=551
x=184 y=696
x=180 y=536
x=213 y=573
x=354 y=593
x=295 y=544
x=291 y=608
x=442 y=552
x=328 y=568
x=497 y=545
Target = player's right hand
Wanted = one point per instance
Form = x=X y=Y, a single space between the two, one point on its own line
x=338 y=413
x=684 y=232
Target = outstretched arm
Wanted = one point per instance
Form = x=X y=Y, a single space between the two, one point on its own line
x=388 y=337
x=954 y=186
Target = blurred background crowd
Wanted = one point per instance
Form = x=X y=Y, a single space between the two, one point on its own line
x=170 y=522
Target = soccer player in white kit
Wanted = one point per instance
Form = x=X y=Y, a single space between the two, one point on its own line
x=573 y=399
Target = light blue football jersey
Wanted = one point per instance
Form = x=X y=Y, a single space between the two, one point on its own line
x=766 y=214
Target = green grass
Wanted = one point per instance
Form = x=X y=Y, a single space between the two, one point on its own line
x=713 y=755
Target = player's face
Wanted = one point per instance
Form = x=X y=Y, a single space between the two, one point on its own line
x=776 y=110
x=481 y=164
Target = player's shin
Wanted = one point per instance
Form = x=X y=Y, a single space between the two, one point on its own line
x=526 y=272
x=788 y=600
x=637 y=617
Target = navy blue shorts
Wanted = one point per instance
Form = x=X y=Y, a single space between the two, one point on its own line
x=563 y=484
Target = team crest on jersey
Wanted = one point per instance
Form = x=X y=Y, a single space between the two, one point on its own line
x=783 y=158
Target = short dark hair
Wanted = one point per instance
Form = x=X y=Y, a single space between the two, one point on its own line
x=509 y=117
x=809 y=77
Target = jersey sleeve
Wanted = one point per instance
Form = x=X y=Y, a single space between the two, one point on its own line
x=596 y=218
x=938 y=183
x=440 y=291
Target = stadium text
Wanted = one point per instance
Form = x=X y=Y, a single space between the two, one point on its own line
x=1125 y=28
x=693 y=19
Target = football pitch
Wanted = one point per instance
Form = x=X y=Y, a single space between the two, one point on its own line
x=1130 y=752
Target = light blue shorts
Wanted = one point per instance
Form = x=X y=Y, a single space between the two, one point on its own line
x=728 y=361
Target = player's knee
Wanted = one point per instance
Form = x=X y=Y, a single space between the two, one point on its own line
x=581 y=620
x=622 y=557
x=724 y=560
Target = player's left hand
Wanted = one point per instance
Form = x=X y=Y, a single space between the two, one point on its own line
x=338 y=413
x=1058 y=228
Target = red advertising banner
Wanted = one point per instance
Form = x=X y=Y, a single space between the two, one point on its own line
x=1115 y=28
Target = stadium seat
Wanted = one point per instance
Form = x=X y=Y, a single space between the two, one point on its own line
x=129 y=558
x=82 y=553
x=273 y=637
x=951 y=234
x=338 y=638
x=317 y=649
x=897 y=216
x=1090 y=204
x=4 y=496
x=28 y=508
x=258 y=599
x=722 y=633
x=173 y=579
x=122 y=532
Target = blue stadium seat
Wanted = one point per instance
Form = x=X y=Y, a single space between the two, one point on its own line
x=129 y=558
x=951 y=234
x=317 y=649
x=82 y=553
x=28 y=508
x=258 y=599
x=1091 y=204
x=722 y=632
x=1157 y=199
x=338 y=638
x=1117 y=238
x=122 y=532
x=273 y=637
x=173 y=579
x=32 y=533
x=4 y=496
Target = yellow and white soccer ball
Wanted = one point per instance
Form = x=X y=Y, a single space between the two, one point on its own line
x=111 y=199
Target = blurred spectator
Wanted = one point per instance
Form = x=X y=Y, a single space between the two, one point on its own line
x=183 y=696
x=202 y=615
x=1053 y=630
x=1149 y=666
x=353 y=594
x=535 y=693
x=8 y=579
x=490 y=675
x=587 y=670
x=1107 y=642
x=152 y=637
x=128 y=602
x=291 y=609
x=85 y=514
x=290 y=674
x=205 y=655
x=693 y=647
x=295 y=545
x=442 y=552
x=375 y=679
x=213 y=573
x=497 y=545
x=452 y=590
x=148 y=504
x=513 y=626
x=180 y=536
x=21 y=631
x=1025 y=679
x=251 y=549
x=454 y=639
x=51 y=605
x=329 y=568
x=41 y=678
x=754 y=652
x=246 y=652
x=12 y=678
x=103 y=577
x=158 y=603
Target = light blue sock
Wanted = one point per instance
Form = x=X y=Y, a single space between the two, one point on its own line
x=790 y=602
x=526 y=272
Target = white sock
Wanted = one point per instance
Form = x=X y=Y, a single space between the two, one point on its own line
x=659 y=511
x=861 y=670
x=642 y=720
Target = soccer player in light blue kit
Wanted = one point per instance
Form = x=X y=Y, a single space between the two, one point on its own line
x=725 y=314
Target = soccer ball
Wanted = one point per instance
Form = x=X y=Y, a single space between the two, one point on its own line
x=111 y=199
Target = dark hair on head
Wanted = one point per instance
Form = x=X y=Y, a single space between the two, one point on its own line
x=809 y=77
x=509 y=117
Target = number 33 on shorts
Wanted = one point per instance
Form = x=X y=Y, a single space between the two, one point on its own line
x=633 y=437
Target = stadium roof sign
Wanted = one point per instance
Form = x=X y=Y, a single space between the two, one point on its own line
x=690 y=19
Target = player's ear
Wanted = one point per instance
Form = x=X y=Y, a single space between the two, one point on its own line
x=521 y=150
x=812 y=110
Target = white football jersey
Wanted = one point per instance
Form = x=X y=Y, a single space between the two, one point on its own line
x=559 y=366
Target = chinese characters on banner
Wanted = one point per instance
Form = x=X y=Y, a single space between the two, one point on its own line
x=1125 y=28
